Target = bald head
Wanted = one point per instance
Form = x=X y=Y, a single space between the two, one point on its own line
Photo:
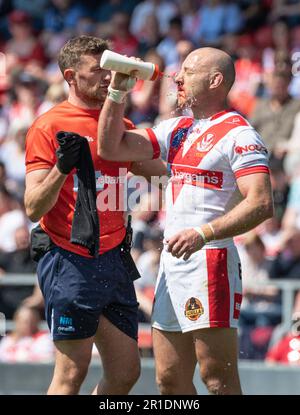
x=215 y=60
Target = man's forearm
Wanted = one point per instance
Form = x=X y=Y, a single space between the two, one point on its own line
x=110 y=128
x=242 y=218
x=40 y=199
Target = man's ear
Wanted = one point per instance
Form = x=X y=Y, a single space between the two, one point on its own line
x=216 y=80
x=69 y=75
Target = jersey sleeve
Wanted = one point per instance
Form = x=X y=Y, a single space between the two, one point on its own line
x=129 y=125
x=247 y=154
x=39 y=150
x=160 y=137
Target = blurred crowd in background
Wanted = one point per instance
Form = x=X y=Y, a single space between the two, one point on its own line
x=263 y=38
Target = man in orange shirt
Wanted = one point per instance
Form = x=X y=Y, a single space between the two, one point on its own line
x=87 y=300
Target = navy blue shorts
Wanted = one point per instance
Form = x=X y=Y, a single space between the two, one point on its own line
x=77 y=290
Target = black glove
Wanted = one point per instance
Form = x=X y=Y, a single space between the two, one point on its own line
x=68 y=152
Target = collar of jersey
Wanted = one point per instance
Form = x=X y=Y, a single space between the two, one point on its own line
x=219 y=114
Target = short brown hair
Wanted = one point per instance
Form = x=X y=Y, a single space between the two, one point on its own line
x=70 y=53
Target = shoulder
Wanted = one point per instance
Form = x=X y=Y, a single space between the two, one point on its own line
x=233 y=124
x=50 y=117
x=246 y=133
x=48 y=122
x=246 y=140
x=230 y=125
x=243 y=138
x=176 y=122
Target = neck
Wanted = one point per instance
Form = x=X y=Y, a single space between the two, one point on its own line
x=85 y=103
x=16 y=336
x=209 y=110
x=280 y=101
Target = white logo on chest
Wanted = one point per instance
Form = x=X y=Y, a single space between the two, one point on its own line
x=235 y=120
x=206 y=143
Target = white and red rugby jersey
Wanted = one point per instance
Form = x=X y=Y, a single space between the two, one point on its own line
x=205 y=157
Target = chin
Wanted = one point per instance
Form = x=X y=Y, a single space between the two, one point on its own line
x=181 y=102
x=97 y=97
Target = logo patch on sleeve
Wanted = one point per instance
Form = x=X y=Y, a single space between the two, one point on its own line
x=250 y=148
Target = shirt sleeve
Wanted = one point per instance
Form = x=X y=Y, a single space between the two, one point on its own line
x=159 y=136
x=39 y=150
x=129 y=125
x=247 y=153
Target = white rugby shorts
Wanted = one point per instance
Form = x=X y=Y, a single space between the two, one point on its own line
x=204 y=291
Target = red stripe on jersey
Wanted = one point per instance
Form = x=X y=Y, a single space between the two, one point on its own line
x=237 y=305
x=176 y=188
x=218 y=287
x=251 y=170
x=203 y=144
x=154 y=142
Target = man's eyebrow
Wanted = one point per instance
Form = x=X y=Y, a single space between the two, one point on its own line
x=189 y=68
x=95 y=67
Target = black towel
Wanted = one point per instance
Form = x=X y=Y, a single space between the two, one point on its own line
x=85 y=226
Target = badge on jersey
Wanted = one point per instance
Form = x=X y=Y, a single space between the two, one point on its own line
x=178 y=136
x=206 y=143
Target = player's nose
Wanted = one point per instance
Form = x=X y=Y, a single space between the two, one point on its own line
x=107 y=76
x=178 y=78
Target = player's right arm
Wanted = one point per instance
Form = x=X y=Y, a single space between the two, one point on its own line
x=43 y=179
x=114 y=142
x=42 y=191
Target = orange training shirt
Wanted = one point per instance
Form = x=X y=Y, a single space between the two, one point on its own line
x=41 y=145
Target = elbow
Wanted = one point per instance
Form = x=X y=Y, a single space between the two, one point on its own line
x=268 y=209
x=104 y=146
x=271 y=211
x=31 y=214
x=105 y=154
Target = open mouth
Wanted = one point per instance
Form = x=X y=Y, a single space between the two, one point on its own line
x=181 y=93
x=180 y=90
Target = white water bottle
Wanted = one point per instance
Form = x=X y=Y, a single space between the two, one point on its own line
x=115 y=62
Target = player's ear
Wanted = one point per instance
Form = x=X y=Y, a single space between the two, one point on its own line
x=215 y=80
x=69 y=75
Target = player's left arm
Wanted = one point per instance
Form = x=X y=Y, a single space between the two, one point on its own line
x=255 y=208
